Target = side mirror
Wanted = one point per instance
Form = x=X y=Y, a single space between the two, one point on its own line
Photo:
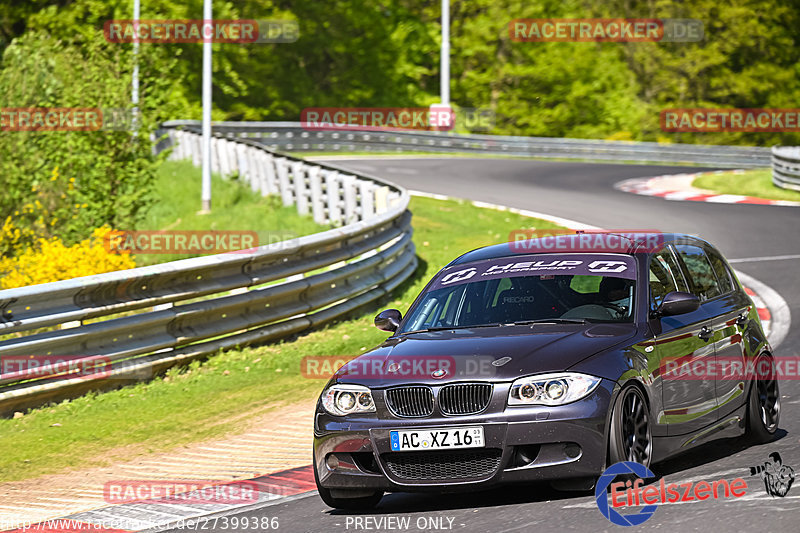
x=678 y=303
x=388 y=320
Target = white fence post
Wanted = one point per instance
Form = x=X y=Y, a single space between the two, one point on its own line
x=282 y=168
x=332 y=181
x=317 y=202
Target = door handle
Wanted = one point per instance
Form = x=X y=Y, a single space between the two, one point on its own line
x=705 y=333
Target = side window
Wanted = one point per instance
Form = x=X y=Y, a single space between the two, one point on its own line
x=722 y=272
x=701 y=276
x=665 y=277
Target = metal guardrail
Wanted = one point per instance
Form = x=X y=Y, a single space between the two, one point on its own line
x=786 y=167
x=138 y=322
x=290 y=136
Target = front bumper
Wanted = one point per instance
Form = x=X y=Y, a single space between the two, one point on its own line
x=521 y=444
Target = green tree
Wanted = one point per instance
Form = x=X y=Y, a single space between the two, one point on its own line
x=76 y=180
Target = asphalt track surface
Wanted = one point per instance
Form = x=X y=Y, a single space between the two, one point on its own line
x=584 y=192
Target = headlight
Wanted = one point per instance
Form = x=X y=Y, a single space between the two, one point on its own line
x=343 y=400
x=551 y=389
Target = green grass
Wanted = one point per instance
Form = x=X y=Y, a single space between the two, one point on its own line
x=757 y=182
x=233 y=207
x=203 y=401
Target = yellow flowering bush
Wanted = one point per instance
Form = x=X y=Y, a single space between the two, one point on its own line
x=49 y=259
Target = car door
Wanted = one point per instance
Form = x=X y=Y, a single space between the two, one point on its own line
x=704 y=284
x=682 y=341
x=730 y=311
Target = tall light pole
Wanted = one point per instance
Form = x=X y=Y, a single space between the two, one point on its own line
x=445 y=54
x=206 y=192
x=135 y=77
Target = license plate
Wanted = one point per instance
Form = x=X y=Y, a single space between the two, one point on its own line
x=436 y=439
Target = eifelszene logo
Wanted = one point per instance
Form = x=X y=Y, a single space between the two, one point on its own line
x=632 y=492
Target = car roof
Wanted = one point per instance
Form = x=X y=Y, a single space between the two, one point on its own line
x=496 y=251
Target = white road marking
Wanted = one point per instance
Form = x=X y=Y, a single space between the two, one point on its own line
x=397 y=170
x=768 y=258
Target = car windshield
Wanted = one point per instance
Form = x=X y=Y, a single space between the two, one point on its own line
x=522 y=290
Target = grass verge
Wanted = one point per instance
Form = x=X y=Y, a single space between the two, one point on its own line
x=757 y=182
x=234 y=207
x=209 y=399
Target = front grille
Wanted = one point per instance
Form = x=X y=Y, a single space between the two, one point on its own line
x=441 y=466
x=410 y=401
x=464 y=398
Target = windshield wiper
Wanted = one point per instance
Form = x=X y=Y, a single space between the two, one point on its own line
x=445 y=328
x=551 y=321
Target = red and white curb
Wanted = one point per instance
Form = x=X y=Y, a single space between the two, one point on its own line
x=679 y=187
x=772 y=308
x=763 y=310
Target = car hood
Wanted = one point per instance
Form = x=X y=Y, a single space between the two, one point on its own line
x=500 y=354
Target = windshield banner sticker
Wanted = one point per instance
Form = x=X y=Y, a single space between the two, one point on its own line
x=616 y=266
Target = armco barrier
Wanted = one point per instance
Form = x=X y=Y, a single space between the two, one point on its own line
x=290 y=136
x=786 y=167
x=146 y=319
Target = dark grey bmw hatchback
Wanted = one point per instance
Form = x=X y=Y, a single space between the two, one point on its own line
x=516 y=366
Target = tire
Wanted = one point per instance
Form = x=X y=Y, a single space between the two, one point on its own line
x=763 y=405
x=630 y=437
x=360 y=503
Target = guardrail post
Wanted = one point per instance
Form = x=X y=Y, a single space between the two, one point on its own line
x=176 y=147
x=241 y=162
x=270 y=185
x=331 y=179
x=256 y=171
x=350 y=199
x=196 y=150
x=282 y=168
x=224 y=158
x=366 y=192
x=215 y=159
x=300 y=187
x=317 y=202
x=381 y=199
